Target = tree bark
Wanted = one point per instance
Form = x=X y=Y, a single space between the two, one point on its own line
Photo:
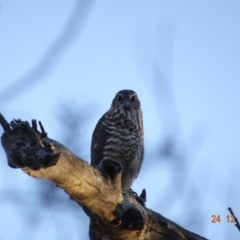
x=117 y=213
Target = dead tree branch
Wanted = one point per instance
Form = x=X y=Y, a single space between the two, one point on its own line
x=117 y=214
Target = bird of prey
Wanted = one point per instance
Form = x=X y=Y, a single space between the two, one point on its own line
x=118 y=136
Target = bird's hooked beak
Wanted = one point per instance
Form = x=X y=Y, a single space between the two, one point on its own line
x=126 y=103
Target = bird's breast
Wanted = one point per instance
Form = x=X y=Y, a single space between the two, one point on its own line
x=124 y=140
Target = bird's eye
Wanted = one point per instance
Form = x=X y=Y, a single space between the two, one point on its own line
x=119 y=98
x=133 y=98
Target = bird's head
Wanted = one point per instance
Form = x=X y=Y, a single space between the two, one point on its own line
x=127 y=100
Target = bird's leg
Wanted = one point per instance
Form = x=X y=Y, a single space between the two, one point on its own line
x=111 y=169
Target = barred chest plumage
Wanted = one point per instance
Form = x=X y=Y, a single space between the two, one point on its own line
x=125 y=141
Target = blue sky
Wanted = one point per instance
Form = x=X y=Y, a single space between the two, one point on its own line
x=183 y=60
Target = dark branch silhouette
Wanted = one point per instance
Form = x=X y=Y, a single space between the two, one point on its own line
x=235 y=218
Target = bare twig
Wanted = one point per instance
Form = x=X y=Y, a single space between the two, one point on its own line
x=235 y=218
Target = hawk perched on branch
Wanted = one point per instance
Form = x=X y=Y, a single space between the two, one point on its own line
x=118 y=136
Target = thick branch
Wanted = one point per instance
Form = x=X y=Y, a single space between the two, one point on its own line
x=117 y=214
